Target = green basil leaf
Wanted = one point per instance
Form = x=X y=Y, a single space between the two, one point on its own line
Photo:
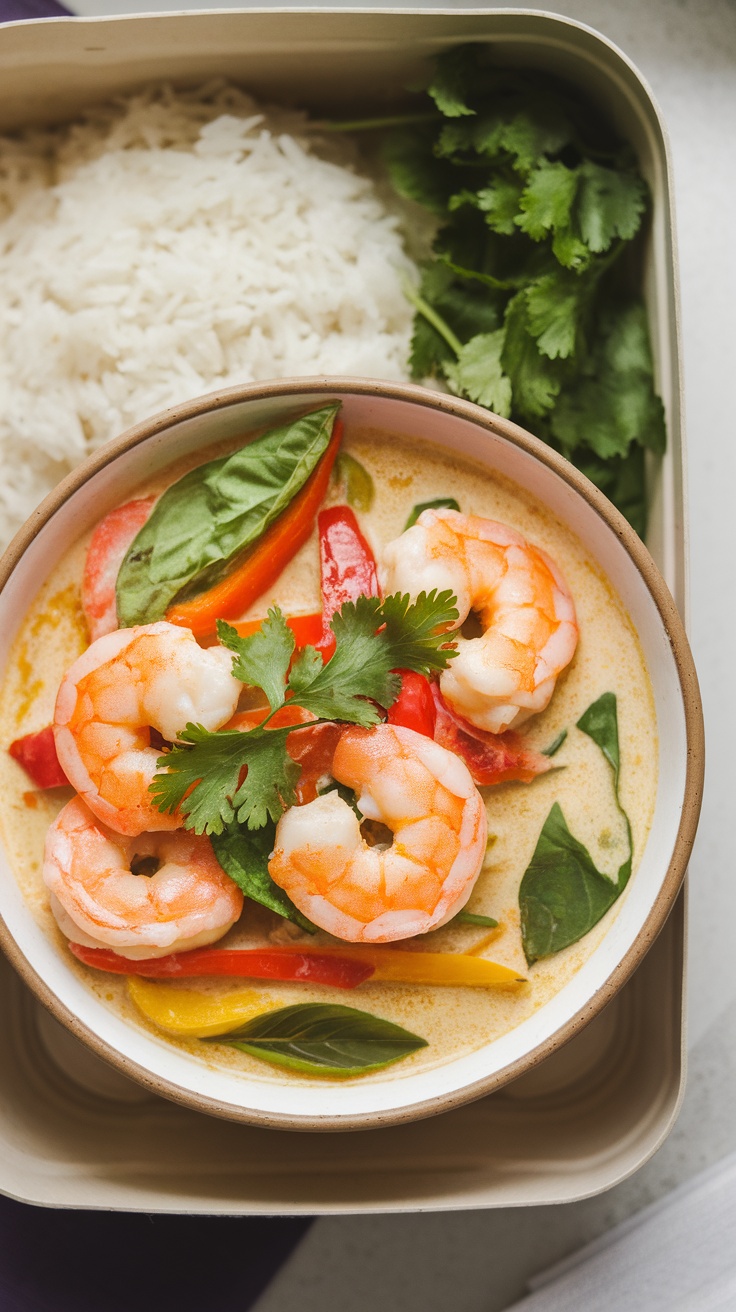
x=323 y=1039
x=243 y=855
x=600 y=722
x=215 y=513
x=471 y=918
x=562 y=895
x=440 y=503
x=555 y=746
x=360 y=491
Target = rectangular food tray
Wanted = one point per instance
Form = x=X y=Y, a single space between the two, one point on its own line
x=75 y=1133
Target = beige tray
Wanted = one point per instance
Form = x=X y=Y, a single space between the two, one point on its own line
x=75 y=1133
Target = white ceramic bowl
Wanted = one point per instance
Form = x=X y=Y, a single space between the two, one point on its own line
x=108 y=478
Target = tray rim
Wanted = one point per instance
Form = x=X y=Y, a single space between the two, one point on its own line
x=560 y=22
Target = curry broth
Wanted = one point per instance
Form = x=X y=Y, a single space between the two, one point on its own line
x=608 y=658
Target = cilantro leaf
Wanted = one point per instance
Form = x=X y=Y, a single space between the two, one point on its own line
x=430 y=352
x=478 y=373
x=456 y=141
x=269 y=787
x=537 y=198
x=555 y=307
x=535 y=379
x=416 y=632
x=585 y=208
x=610 y=204
x=248 y=776
x=500 y=204
x=211 y=772
x=623 y=480
x=529 y=135
x=304 y=670
x=203 y=772
x=449 y=86
x=516 y=131
x=547 y=200
x=614 y=403
x=262 y=659
x=570 y=250
x=358 y=673
x=414 y=172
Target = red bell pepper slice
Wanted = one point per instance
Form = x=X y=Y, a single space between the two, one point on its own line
x=105 y=554
x=242 y=963
x=347 y=571
x=313 y=749
x=414 y=707
x=491 y=758
x=36 y=752
x=347 y=567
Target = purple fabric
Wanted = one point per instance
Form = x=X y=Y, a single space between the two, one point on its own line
x=12 y=10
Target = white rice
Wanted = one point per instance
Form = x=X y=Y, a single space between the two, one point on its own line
x=170 y=244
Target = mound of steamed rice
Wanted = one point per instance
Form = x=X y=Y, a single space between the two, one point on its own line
x=170 y=244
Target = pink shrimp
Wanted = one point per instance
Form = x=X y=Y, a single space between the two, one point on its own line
x=424 y=794
x=105 y=554
x=145 y=896
x=155 y=676
x=523 y=603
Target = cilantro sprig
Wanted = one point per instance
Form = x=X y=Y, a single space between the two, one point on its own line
x=528 y=306
x=248 y=777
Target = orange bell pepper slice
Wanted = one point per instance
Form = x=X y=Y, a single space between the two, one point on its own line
x=307 y=629
x=270 y=555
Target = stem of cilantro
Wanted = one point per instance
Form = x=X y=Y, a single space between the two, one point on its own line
x=370 y=124
x=430 y=314
x=603 y=263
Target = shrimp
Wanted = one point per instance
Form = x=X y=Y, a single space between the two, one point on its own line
x=101 y=896
x=155 y=676
x=525 y=609
x=424 y=794
x=105 y=554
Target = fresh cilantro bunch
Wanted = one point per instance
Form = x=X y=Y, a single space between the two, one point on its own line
x=527 y=307
x=247 y=777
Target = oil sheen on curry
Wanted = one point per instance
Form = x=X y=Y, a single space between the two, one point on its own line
x=328 y=758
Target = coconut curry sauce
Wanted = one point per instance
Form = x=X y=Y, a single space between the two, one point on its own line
x=453 y=1020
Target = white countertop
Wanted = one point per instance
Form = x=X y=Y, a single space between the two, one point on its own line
x=468 y=1261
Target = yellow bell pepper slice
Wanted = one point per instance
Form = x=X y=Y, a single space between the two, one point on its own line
x=194 y=1015
x=398 y=966
x=442 y=968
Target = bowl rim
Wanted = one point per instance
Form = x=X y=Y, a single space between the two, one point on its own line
x=276 y=389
